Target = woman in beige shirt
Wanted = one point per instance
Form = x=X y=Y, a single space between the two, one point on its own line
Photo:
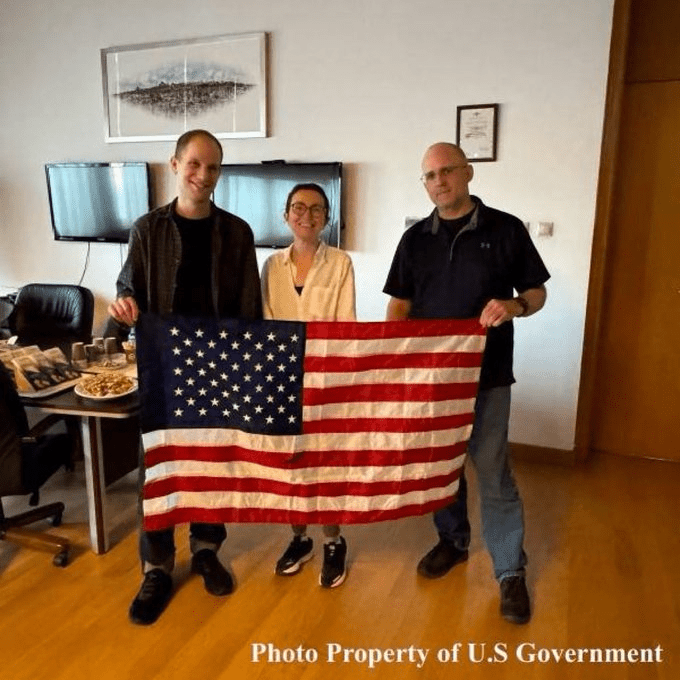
x=310 y=281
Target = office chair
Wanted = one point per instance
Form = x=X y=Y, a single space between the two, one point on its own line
x=6 y=307
x=28 y=458
x=52 y=315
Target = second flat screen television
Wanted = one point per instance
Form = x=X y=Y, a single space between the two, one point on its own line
x=257 y=193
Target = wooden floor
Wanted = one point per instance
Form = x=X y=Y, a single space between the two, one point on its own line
x=603 y=546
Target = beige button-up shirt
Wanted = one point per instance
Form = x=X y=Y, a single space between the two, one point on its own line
x=328 y=293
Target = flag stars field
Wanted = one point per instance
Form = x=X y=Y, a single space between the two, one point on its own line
x=205 y=362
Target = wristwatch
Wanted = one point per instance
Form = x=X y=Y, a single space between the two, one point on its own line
x=522 y=301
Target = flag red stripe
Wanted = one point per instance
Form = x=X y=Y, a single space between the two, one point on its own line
x=345 y=425
x=332 y=458
x=203 y=484
x=377 y=330
x=313 y=396
x=271 y=515
x=340 y=364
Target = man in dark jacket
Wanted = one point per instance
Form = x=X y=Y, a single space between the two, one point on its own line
x=188 y=257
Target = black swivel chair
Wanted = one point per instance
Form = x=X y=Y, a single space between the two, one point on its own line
x=52 y=315
x=28 y=458
x=6 y=307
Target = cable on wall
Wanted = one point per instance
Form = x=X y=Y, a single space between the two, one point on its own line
x=87 y=262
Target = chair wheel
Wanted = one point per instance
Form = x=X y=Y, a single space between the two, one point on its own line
x=61 y=559
x=56 y=520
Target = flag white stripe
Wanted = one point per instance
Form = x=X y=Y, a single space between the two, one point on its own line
x=411 y=376
x=368 y=474
x=290 y=444
x=367 y=347
x=388 y=409
x=259 y=500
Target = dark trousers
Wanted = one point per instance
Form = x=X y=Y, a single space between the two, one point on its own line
x=157 y=548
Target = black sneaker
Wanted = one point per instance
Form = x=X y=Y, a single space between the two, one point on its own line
x=442 y=558
x=333 y=571
x=515 y=600
x=297 y=553
x=152 y=598
x=216 y=578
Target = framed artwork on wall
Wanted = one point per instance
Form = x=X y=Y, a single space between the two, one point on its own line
x=477 y=131
x=157 y=91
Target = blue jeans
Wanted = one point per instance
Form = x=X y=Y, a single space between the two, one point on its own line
x=501 y=507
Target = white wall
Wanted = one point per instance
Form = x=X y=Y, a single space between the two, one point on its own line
x=367 y=82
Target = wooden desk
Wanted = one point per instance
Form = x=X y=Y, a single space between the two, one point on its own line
x=95 y=418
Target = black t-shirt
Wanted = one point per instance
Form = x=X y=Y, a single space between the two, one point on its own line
x=192 y=286
x=452 y=227
x=447 y=275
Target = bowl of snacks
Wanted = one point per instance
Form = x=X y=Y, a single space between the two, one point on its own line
x=105 y=386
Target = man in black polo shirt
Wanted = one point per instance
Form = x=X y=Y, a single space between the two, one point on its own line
x=188 y=257
x=466 y=260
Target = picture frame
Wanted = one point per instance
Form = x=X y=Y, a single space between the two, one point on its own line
x=477 y=131
x=157 y=91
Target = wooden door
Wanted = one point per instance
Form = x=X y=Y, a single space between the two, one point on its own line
x=637 y=389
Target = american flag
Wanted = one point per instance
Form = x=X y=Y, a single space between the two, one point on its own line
x=303 y=423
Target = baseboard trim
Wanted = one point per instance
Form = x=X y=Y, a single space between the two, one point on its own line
x=542 y=454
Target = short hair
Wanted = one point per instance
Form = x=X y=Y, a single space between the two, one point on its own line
x=309 y=186
x=186 y=138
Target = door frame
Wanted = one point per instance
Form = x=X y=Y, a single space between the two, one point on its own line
x=618 y=52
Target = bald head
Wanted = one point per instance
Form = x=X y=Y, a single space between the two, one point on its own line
x=446 y=174
x=447 y=149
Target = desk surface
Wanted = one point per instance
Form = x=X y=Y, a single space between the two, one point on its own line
x=70 y=404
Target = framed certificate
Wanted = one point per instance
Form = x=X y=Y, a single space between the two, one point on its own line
x=477 y=131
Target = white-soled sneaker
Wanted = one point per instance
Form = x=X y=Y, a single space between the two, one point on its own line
x=297 y=553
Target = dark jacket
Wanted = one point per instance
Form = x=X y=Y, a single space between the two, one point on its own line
x=155 y=251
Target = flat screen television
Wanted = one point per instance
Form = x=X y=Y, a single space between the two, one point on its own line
x=257 y=193
x=96 y=201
